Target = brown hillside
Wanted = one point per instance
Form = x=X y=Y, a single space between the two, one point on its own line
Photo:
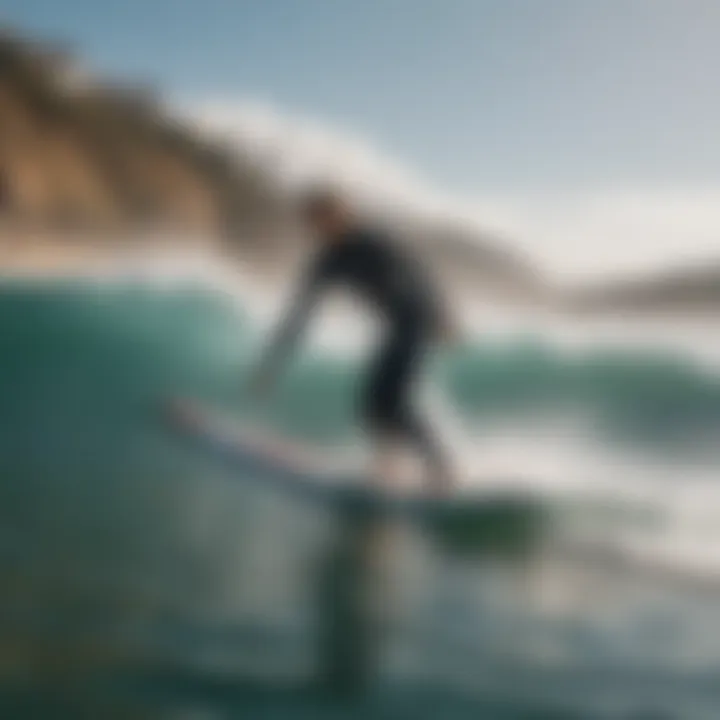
x=77 y=154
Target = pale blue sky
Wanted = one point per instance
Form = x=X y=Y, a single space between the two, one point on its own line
x=507 y=100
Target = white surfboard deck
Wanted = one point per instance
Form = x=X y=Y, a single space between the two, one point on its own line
x=199 y=420
x=253 y=456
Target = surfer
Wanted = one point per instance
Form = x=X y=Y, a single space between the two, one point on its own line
x=366 y=261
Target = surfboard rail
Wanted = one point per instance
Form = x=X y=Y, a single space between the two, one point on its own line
x=487 y=516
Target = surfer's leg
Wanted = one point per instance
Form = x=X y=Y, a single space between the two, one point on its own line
x=429 y=446
x=390 y=411
x=386 y=463
x=379 y=403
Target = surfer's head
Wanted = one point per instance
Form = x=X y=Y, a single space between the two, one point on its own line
x=326 y=212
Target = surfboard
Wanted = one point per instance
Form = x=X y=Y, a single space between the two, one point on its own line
x=497 y=519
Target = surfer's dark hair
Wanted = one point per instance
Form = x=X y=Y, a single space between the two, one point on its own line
x=320 y=199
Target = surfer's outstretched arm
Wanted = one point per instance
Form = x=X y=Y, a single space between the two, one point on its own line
x=291 y=327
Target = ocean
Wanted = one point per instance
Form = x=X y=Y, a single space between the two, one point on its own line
x=137 y=569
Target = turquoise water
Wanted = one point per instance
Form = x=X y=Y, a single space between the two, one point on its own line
x=119 y=543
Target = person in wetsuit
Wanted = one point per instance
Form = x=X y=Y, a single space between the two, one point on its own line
x=367 y=262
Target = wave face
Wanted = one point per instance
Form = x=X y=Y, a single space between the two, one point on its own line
x=108 y=521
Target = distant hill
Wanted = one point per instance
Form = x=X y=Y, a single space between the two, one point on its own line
x=691 y=289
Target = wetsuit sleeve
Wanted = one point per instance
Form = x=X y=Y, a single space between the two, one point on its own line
x=296 y=318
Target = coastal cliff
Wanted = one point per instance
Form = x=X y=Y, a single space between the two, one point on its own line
x=81 y=155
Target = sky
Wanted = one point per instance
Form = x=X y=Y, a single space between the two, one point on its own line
x=583 y=130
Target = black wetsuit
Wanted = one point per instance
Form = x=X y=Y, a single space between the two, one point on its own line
x=371 y=266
